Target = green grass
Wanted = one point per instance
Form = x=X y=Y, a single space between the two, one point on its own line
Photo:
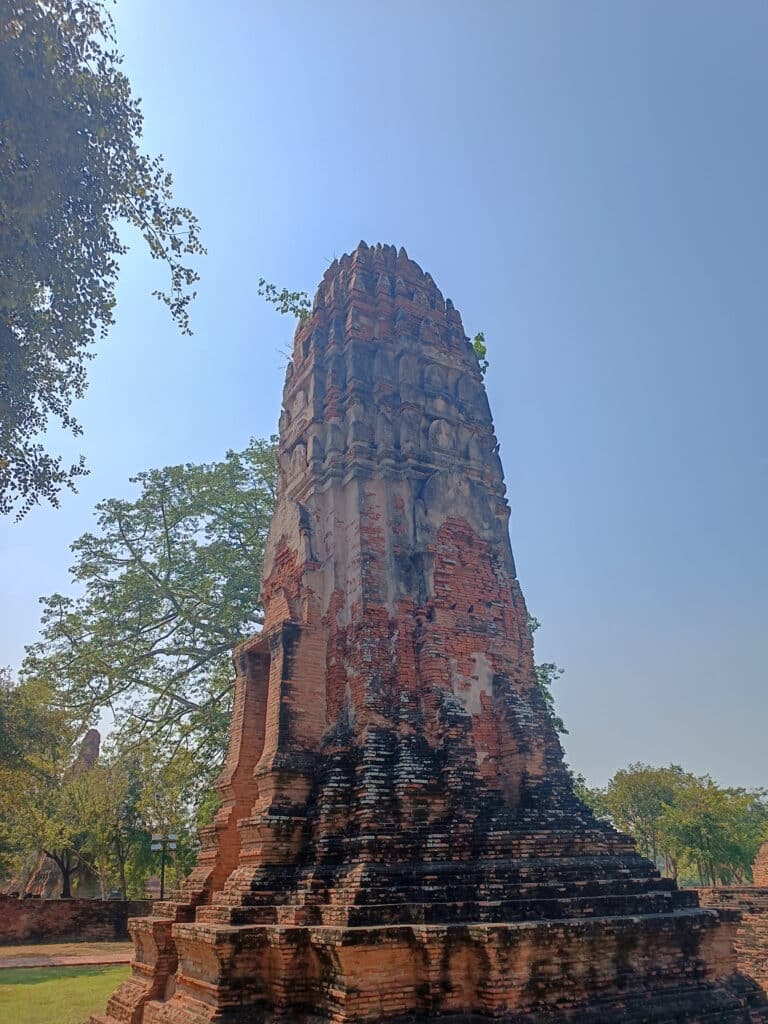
x=56 y=995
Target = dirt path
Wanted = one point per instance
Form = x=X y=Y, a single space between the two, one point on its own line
x=66 y=954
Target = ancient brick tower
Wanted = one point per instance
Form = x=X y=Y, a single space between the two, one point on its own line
x=398 y=838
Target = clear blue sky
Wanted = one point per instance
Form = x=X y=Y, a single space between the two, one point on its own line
x=587 y=182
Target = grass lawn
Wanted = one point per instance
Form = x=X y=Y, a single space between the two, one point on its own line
x=56 y=995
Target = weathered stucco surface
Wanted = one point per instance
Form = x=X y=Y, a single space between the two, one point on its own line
x=399 y=838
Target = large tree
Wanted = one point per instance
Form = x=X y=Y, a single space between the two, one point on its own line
x=694 y=828
x=30 y=721
x=71 y=168
x=169 y=584
x=36 y=812
x=715 y=832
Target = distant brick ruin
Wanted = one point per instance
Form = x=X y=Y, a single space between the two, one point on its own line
x=760 y=868
x=752 y=936
x=44 y=878
x=743 y=911
x=399 y=839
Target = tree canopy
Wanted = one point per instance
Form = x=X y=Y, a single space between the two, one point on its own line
x=690 y=826
x=71 y=168
x=170 y=583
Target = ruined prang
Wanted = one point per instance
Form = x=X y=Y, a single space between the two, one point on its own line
x=44 y=880
x=399 y=839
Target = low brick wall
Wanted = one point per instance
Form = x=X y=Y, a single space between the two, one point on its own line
x=743 y=912
x=36 y=920
x=745 y=899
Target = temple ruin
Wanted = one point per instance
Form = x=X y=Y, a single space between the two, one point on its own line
x=743 y=912
x=399 y=839
x=44 y=879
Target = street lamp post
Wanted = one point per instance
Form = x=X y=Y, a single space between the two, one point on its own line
x=162 y=842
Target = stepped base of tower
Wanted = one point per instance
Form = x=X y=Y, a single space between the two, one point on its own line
x=567 y=927
x=527 y=925
x=651 y=968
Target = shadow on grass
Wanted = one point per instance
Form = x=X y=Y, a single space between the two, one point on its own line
x=38 y=975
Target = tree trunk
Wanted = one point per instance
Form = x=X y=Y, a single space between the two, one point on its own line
x=66 y=877
x=64 y=865
x=121 y=868
x=123 y=886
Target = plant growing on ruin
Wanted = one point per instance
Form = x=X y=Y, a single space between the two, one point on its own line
x=547 y=673
x=481 y=351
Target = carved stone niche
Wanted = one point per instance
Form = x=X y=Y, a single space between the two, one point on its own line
x=441 y=435
x=335 y=438
x=383 y=369
x=428 y=332
x=409 y=377
x=473 y=452
x=441 y=409
x=473 y=399
x=384 y=285
x=316 y=389
x=467 y=391
x=360 y=358
x=337 y=370
x=299 y=404
x=420 y=298
x=357 y=423
x=409 y=421
x=463 y=438
x=435 y=378
x=315 y=446
x=298 y=460
x=354 y=322
x=336 y=337
x=385 y=434
x=284 y=463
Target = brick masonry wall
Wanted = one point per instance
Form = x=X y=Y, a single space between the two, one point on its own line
x=743 y=912
x=760 y=869
x=35 y=920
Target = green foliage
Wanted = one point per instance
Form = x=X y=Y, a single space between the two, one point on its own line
x=103 y=802
x=170 y=583
x=35 y=742
x=162 y=795
x=39 y=814
x=693 y=828
x=29 y=723
x=296 y=303
x=101 y=818
x=481 y=351
x=635 y=799
x=547 y=673
x=589 y=796
x=71 y=169
x=715 y=832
